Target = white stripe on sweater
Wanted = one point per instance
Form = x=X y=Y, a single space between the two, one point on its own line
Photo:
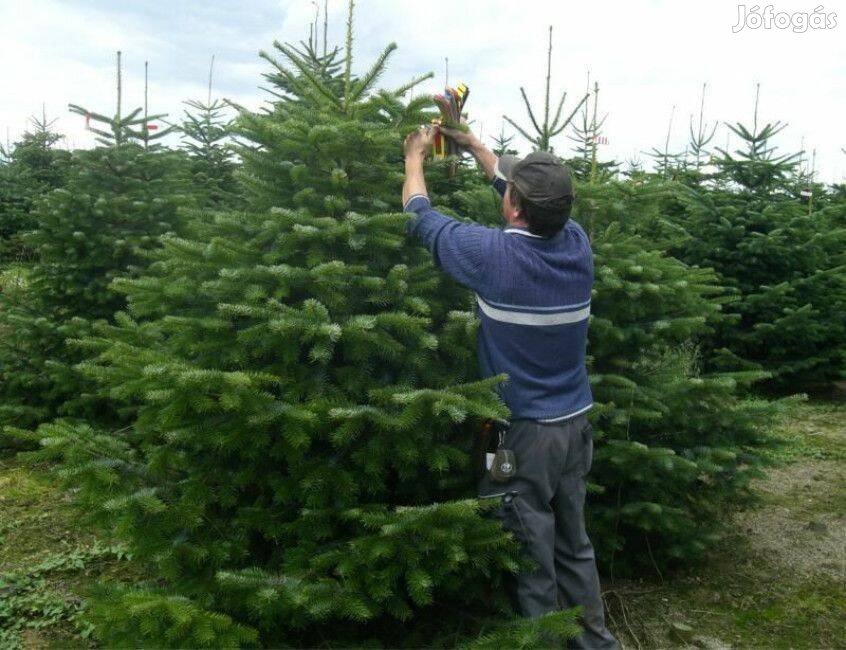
x=532 y=318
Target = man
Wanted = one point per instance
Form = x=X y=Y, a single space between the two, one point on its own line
x=533 y=288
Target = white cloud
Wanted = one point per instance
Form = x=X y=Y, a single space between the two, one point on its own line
x=646 y=55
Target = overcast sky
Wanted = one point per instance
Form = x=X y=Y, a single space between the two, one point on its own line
x=647 y=56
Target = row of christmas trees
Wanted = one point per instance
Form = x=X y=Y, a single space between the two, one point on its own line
x=248 y=374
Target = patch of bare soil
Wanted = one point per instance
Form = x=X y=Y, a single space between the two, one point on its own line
x=803 y=531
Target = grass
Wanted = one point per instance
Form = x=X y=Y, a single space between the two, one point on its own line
x=813 y=431
x=778 y=581
x=45 y=563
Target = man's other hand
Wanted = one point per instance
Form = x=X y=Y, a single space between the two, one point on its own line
x=418 y=143
x=464 y=139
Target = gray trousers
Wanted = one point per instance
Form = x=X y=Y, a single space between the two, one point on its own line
x=543 y=505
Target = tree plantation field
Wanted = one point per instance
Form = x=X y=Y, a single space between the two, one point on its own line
x=777 y=581
x=238 y=404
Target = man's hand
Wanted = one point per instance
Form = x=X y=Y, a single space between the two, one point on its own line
x=418 y=143
x=464 y=139
x=467 y=140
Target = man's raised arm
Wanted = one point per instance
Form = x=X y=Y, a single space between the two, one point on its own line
x=461 y=249
x=486 y=158
x=415 y=148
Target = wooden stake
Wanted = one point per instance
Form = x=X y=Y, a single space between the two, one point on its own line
x=145 y=131
x=811 y=185
x=348 y=66
x=699 y=132
x=116 y=127
x=667 y=141
x=211 y=69
x=546 y=97
x=593 y=132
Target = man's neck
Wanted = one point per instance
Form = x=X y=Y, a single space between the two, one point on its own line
x=517 y=223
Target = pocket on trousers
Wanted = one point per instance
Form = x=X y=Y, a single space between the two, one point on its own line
x=510 y=515
x=587 y=446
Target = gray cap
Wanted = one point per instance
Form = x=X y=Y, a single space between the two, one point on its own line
x=541 y=177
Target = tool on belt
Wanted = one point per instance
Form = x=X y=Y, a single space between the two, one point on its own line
x=499 y=462
x=451 y=105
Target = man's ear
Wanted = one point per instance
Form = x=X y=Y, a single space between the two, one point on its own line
x=512 y=209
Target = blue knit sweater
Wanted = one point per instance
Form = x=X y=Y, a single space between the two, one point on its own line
x=533 y=302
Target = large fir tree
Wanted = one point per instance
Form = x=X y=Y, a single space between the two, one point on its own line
x=113 y=203
x=298 y=469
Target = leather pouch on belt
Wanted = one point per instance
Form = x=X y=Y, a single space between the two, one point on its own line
x=504 y=464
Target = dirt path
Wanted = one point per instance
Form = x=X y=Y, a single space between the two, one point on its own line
x=779 y=581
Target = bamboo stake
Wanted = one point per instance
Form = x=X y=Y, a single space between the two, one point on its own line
x=116 y=127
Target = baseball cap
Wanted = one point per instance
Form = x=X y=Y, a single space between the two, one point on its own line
x=541 y=177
